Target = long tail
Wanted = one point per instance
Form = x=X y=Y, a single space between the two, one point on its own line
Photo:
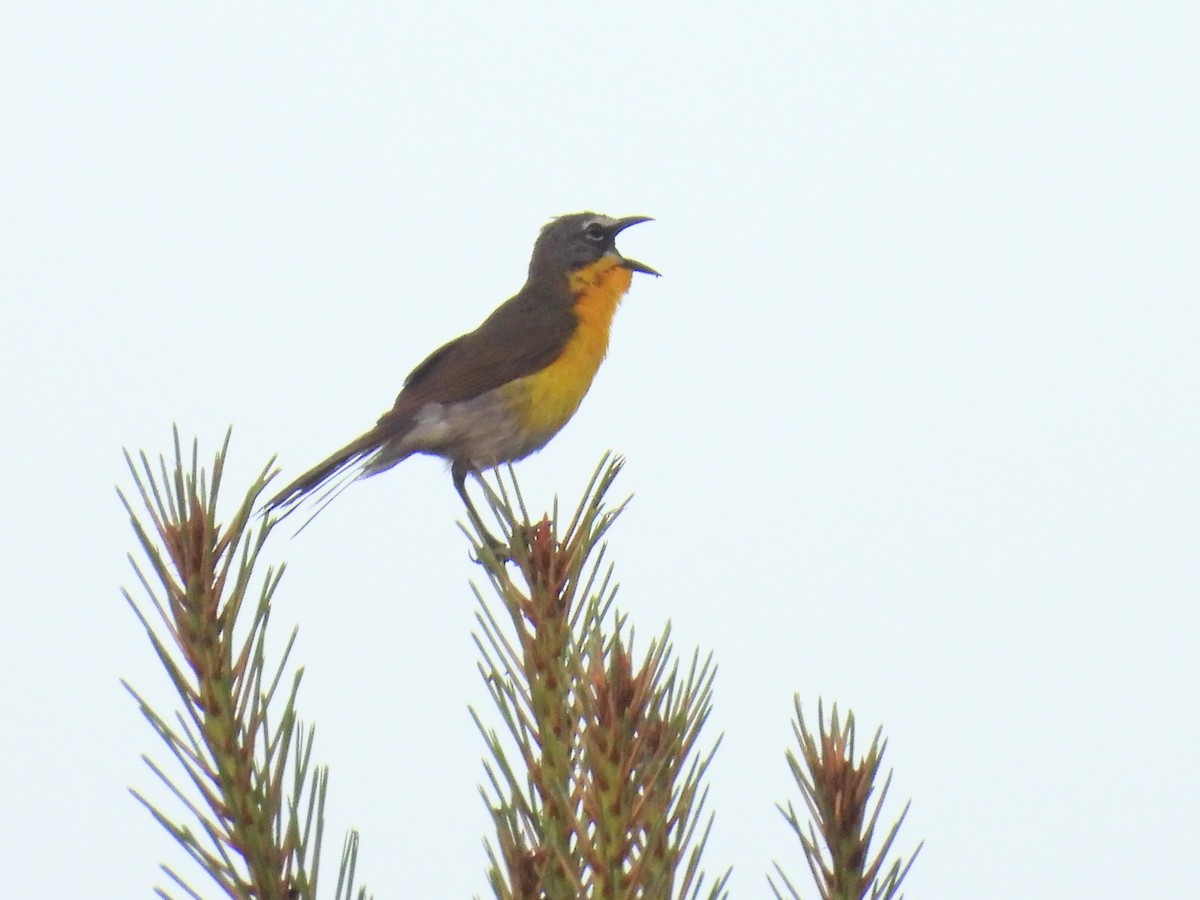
x=328 y=470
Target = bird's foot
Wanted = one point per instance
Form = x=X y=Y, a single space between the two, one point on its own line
x=493 y=546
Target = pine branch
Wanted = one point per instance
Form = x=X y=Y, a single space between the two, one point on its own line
x=837 y=793
x=605 y=796
x=253 y=804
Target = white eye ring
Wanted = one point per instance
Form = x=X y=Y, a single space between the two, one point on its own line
x=594 y=231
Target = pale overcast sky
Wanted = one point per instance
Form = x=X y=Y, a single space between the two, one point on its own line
x=910 y=419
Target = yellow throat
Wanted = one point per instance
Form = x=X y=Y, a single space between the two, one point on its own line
x=553 y=394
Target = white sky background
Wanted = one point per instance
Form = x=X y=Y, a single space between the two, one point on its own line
x=911 y=418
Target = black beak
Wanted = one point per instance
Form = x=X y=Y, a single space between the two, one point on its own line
x=632 y=264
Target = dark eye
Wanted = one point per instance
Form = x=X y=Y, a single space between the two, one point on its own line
x=594 y=231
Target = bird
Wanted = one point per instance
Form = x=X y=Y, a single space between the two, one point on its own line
x=503 y=391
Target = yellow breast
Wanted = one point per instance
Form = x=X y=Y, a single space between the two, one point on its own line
x=552 y=395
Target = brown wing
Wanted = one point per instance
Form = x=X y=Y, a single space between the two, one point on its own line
x=523 y=336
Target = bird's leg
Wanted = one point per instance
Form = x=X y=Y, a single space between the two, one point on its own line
x=458 y=472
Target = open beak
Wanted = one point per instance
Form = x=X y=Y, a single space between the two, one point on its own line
x=632 y=264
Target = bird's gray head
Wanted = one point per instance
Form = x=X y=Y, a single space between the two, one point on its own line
x=574 y=241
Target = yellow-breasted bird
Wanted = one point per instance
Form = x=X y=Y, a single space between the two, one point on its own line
x=502 y=391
